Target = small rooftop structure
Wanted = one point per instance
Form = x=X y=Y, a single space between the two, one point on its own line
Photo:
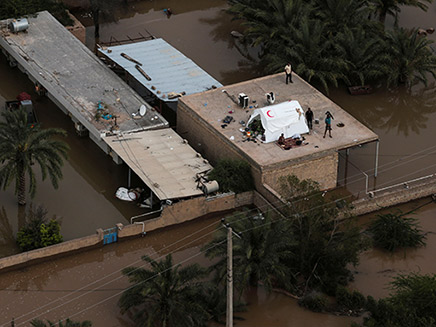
x=160 y=68
x=201 y=119
x=76 y=80
x=163 y=160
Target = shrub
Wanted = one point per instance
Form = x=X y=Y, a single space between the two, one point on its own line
x=232 y=175
x=38 y=232
x=411 y=303
x=349 y=300
x=392 y=231
x=314 y=301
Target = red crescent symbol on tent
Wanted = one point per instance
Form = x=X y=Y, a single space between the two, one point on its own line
x=267 y=113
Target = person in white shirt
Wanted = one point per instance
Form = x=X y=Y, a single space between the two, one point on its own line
x=288 y=71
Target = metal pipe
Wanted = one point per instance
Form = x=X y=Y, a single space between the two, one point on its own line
x=406 y=182
x=145 y=214
x=376 y=158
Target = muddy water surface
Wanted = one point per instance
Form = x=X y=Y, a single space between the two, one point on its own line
x=404 y=121
x=85 y=199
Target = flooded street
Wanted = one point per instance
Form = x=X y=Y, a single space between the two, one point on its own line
x=200 y=29
x=88 y=285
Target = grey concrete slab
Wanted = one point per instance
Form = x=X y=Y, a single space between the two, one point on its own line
x=75 y=77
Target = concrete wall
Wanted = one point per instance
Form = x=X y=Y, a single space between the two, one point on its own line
x=187 y=210
x=323 y=170
x=78 y=30
x=50 y=251
x=179 y=212
x=394 y=197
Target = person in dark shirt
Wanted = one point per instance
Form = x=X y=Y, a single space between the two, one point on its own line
x=309 y=118
x=281 y=139
x=328 y=123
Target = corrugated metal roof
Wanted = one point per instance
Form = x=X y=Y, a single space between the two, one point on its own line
x=168 y=68
x=163 y=160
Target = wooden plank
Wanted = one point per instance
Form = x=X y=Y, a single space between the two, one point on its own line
x=130 y=58
x=143 y=73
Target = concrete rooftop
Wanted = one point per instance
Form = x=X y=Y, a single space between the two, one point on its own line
x=74 y=76
x=163 y=160
x=214 y=105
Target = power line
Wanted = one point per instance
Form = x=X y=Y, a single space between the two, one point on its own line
x=171 y=252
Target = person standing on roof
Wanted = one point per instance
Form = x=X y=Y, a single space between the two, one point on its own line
x=328 y=123
x=309 y=117
x=288 y=71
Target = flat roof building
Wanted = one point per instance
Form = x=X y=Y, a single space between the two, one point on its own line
x=117 y=118
x=200 y=119
x=75 y=79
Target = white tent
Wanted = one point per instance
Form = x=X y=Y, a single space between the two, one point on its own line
x=286 y=117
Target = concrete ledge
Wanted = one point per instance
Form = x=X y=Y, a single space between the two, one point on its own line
x=50 y=251
x=394 y=197
x=177 y=213
x=77 y=29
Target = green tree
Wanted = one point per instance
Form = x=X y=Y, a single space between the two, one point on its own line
x=366 y=54
x=39 y=232
x=20 y=8
x=257 y=255
x=314 y=56
x=411 y=58
x=166 y=295
x=232 y=175
x=324 y=246
x=412 y=303
x=394 y=230
x=21 y=146
x=67 y=323
x=392 y=7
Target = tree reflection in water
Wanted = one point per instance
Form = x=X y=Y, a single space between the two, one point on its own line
x=8 y=245
x=405 y=109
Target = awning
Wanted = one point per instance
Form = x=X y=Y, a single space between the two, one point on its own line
x=163 y=160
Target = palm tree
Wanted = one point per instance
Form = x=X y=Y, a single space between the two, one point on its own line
x=342 y=14
x=21 y=146
x=411 y=57
x=257 y=255
x=68 y=323
x=366 y=54
x=392 y=7
x=314 y=56
x=166 y=295
x=323 y=246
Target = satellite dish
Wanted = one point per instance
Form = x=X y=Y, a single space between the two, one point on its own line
x=142 y=110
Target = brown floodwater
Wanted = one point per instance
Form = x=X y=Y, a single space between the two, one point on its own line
x=85 y=201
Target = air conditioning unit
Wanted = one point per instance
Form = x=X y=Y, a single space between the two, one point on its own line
x=243 y=100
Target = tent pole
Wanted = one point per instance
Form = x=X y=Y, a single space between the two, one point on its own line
x=129 y=178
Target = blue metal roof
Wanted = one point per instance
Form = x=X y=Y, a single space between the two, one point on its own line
x=168 y=68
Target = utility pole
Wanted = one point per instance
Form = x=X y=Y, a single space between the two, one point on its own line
x=230 y=232
x=229 y=278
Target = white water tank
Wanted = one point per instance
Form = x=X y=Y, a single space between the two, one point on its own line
x=210 y=187
x=18 y=25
